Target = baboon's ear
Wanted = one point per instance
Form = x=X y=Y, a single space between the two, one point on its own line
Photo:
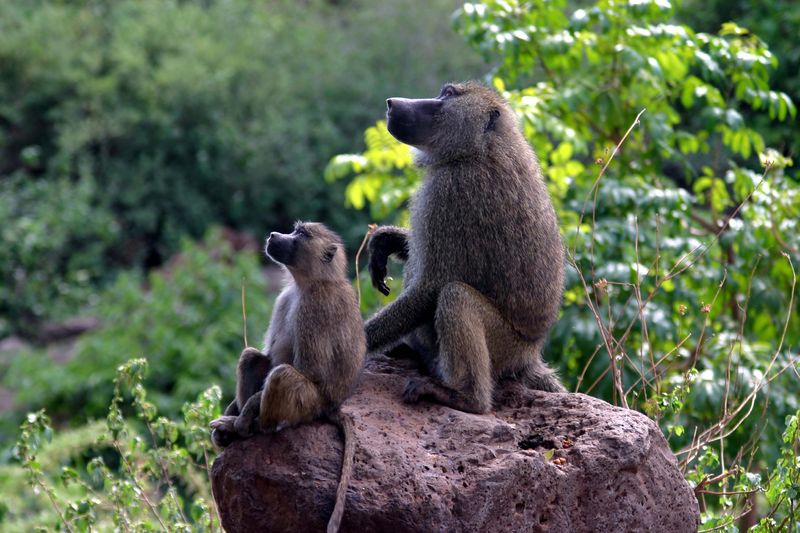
x=494 y=114
x=329 y=253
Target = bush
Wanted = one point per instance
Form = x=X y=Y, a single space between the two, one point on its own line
x=132 y=474
x=188 y=323
x=53 y=250
x=680 y=299
x=187 y=114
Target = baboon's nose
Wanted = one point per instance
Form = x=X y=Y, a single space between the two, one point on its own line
x=388 y=103
x=271 y=235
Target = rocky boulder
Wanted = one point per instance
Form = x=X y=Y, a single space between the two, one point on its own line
x=540 y=462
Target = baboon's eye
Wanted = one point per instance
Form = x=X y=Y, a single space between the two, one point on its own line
x=303 y=233
x=448 y=91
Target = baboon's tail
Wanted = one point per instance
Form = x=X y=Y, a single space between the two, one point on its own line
x=347 y=428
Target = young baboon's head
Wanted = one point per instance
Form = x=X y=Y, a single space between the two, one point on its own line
x=311 y=252
x=462 y=120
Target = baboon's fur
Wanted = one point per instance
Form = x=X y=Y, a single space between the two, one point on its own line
x=313 y=349
x=484 y=270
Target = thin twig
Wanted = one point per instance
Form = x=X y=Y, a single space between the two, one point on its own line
x=673 y=272
x=596 y=184
x=606 y=334
x=708 y=480
x=716 y=432
x=244 y=317
x=370 y=230
x=142 y=492
x=52 y=499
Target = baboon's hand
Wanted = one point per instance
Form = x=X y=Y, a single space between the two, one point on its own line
x=377 y=271
x=384 y=242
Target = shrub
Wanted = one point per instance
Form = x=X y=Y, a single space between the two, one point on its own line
x=53 y=250
x=187 y=322
x=133 y=474
x=680 y=299
x=188 y=114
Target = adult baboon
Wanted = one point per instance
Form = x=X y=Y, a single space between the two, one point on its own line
x=313 y=349
x=484 y=269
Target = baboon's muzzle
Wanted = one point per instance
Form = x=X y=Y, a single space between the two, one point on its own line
x=411 y=121
x=280 y=247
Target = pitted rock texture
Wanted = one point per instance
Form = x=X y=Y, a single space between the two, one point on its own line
x=430 y=468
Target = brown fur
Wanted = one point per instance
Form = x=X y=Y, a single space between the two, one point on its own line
x=484 y=273
x=313 y=349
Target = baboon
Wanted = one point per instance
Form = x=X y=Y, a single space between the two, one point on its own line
x=484 y=261
x=313 y=349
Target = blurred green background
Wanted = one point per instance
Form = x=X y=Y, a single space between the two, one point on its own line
x=147 y=146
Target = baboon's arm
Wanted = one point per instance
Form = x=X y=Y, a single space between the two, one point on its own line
x=386 y=241
x=414 y=306
x=247 y=422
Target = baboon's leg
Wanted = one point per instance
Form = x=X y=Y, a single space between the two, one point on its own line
x=232 y=409
x=463 y=319
x=251 y=371
x=289 y=397
x=476 y=347
x=411 y=309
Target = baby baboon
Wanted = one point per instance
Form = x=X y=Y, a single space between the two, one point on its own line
x=313 y=349
x=484 y=270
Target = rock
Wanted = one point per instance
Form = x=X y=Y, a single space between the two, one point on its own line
x=59 y=331
x=541 y=462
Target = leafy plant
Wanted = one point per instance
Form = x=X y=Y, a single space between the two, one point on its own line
x=188 y=323
x=53 y=250
x=151 y=121
x=150 y=472
x=680 y=296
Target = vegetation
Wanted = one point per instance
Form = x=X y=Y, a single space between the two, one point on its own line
x=680 y=223
x=164 y=117
x=666 y=134
x=188 y=325
x=138 y=474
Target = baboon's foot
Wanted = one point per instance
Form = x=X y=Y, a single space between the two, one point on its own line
x=425 y=389
x=223 y=432
x=223 y=439
x=224 y=423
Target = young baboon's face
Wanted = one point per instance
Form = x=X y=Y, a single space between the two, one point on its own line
x=458 y=120
x=311 y=250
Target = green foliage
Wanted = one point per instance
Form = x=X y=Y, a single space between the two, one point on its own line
x=783 y=493
x=138 y=474
x=680 y=299
x=188 y=324
x=384 y=175
x=773 y=21
x=168 y=117
x=53 y=245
